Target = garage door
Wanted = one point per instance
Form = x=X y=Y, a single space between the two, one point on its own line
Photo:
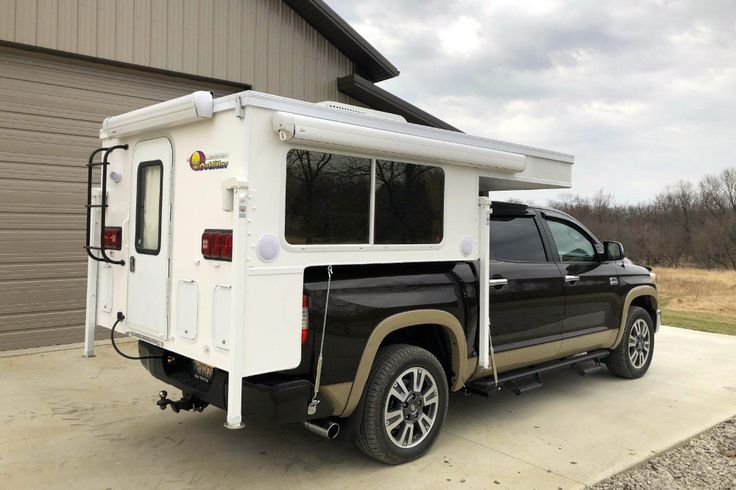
x=51 y=109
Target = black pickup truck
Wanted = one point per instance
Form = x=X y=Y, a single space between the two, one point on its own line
x=400 y=337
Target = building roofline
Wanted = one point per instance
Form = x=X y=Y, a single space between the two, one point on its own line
x=370 y=94
x=369 y=62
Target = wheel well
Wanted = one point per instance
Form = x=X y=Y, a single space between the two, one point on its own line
x=433 y=338
x=649 y=304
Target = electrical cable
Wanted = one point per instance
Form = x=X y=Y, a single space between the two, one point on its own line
x=121 y=317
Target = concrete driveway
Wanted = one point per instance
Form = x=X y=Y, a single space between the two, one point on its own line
x=70 y=422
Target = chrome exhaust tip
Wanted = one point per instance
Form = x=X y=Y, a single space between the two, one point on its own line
x=324 y=428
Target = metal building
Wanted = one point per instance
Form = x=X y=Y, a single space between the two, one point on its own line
x=65 y=65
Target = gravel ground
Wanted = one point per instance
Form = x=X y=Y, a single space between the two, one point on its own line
x=707 y=461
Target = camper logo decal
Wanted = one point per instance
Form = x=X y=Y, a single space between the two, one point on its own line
x=199 y=161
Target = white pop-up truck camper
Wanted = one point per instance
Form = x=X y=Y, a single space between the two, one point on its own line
x=267 y=251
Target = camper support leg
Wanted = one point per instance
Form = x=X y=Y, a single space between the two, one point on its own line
x=237 y=312
x=484 y=345
x=90 y=320
x=91 y=313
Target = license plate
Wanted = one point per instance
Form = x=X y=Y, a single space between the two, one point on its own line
x=202 y=371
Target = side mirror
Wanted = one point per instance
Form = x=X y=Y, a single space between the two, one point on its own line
x=613 y=250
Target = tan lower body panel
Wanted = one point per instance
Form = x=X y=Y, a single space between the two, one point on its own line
x=535 y=354
x=337 y=395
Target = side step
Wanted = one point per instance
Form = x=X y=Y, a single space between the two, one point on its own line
x=529 y=378
x=521 y=386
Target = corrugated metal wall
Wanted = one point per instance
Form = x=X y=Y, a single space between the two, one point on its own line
x=258 y=42
x=51 y=109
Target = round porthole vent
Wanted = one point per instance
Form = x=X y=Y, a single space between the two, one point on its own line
x=268 y=248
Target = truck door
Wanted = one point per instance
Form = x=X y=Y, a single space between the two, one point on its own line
x=527 y=298
x=148 y=265
x=592 y=299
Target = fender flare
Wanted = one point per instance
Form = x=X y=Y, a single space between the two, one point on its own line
x=635 y=292
x=451 y=326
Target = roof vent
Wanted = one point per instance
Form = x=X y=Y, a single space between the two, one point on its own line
x=361 y=110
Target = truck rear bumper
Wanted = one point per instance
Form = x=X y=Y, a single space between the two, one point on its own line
x=273 y=397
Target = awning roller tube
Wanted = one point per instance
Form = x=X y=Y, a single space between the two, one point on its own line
x=340 y=136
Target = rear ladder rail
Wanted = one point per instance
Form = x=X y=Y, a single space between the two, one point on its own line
x=91 y=164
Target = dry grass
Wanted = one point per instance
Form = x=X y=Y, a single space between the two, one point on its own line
x=699 y=299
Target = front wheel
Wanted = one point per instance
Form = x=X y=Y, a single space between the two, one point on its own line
x=405 y=404
x=632 y=357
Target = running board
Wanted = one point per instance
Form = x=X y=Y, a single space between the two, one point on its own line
x=527 y=379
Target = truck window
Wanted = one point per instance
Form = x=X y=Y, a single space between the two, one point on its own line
x=327 y=198
x=148 y=208
x=571 y=243
x=409 y=203
x=516 y=239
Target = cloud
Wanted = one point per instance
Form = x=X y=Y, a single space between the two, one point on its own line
x=642 y=92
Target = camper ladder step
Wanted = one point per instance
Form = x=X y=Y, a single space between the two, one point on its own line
x=102 y=206
x=529 y=378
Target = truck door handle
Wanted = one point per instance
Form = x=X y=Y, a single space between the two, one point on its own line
x=131 y=263
x=571 y=279
x=498 y=282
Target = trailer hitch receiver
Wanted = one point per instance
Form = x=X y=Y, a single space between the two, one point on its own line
x=187 y=402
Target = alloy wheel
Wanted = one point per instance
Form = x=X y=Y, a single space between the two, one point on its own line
x=639 y=343
x=411 y=407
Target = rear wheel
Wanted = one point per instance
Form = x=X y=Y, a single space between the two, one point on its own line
x=633 y=355
x=405 y=404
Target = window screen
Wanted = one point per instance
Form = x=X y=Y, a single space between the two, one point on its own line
x=327 y=198
x=409 y=203
x=148 y=208
x=571 y=243
x=517 y=239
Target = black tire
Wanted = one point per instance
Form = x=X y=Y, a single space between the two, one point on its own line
x=374 y=438
x=623 y=360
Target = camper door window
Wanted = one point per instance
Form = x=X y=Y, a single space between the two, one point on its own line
x=148 y=208
x=329 y=200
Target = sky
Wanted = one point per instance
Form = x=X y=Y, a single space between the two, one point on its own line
x=641 y=92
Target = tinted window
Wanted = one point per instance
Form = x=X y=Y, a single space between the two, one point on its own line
x=517 y=239
x=327 y=198
x=571 y=243
x=409 y=203
x=148 y=208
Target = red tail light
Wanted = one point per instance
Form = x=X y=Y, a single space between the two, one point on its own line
x=113 y=238
x=305 y=318
x=217 y=244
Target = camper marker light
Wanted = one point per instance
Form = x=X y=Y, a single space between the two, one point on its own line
x=305 y=318
x=113 y=237
x=466 y=245
x=268 y=248
x=116 y=176
x=217 y=244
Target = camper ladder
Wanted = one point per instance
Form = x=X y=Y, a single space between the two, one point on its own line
x=91 y=164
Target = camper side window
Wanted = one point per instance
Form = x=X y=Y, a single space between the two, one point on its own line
x=409 y=203
x=148 y=208
x=328 y=198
